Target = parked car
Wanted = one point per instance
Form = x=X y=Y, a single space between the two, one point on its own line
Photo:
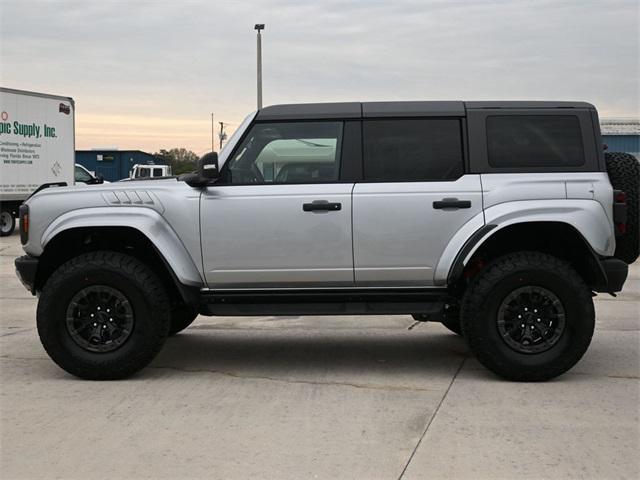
x=499 y=219
x=82 y=175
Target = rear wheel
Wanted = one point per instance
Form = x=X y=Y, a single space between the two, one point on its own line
x=624 y=174
x=102 y=316
x=528 y=316
x=7 y=223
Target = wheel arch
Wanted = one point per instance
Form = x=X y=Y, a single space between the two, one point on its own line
x=73 y=240
x=554 y=237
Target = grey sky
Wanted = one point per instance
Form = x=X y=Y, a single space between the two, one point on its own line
x=148 y=74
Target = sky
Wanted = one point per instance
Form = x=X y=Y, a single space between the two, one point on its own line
x=147 y=74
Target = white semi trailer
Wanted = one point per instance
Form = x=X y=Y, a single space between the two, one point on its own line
x=37 y=146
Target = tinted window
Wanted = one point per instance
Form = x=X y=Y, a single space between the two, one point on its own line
x=292 y=152
x=157 y=172
x=534 y=141
x=412 y=150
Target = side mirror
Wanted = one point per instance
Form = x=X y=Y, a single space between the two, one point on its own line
x=208 y=166
x=99 y=178
x=208 y=172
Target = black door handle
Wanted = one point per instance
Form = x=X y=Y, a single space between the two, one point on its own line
x=451 y=203
x=321 y=206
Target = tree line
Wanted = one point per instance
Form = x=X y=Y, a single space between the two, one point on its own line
x=180 y=159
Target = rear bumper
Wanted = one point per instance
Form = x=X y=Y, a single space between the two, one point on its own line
x=26 y=268
x=616 y=272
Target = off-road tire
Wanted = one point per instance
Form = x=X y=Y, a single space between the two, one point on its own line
x=181 y=317
x=504 y=275
x=141 y=288
x=624 y=174
x=8 y=223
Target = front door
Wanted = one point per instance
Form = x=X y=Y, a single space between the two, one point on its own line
x=279 y=217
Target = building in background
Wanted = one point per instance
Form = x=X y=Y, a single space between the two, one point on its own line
x=621 y=135
x=113 y=164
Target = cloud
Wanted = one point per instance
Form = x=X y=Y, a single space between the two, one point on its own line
x=181 y=60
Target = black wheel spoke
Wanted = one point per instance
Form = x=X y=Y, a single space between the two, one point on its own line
x=99 y=318
x=531 y=319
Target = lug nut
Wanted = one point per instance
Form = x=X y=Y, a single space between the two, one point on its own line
x=95 y=324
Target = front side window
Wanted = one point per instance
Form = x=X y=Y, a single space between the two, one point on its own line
x=412 y=150
x=534 y=141
x=82 y=175
x=291 y=152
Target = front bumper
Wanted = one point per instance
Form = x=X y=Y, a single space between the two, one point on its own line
x=26 y=268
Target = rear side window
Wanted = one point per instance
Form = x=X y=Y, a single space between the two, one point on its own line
x=412 y=150
x=534 y=141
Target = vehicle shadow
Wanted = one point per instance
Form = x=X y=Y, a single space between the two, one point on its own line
x=285 y=352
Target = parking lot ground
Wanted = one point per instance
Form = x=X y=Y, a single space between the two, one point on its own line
x=318 y=397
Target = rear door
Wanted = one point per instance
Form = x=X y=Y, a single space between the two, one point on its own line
x=280 y=217
x=414 y=197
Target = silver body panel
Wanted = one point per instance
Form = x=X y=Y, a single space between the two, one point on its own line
x=165 y=211
x=398 y=237
x=259 y=236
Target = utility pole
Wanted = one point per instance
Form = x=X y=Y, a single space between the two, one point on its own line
x=213 y=144
x=222 y=135
x=259 y=27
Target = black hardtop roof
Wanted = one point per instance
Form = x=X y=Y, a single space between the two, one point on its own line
x=310 y=111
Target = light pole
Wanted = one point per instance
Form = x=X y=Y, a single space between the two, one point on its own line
x=259 y=27
x=213 y=146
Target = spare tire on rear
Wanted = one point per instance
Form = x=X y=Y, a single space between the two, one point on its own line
x=624 y=174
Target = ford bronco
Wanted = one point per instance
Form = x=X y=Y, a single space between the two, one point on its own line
x=499 y=219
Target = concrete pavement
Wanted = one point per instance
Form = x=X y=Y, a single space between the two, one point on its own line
x=318 y=397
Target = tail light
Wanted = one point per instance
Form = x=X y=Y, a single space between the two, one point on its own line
x=620 y=212
x=24 y=223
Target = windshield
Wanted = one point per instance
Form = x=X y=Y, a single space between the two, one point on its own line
x=233 y=139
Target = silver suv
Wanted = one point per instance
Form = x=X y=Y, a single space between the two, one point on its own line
x=499 y=219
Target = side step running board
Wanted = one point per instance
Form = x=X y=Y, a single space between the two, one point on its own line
x=325 y=302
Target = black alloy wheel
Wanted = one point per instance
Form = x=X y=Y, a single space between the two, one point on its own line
x=531 y=319
x=99 y=318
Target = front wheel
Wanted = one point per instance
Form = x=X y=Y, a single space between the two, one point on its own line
x=528 y=316
x=103 y=316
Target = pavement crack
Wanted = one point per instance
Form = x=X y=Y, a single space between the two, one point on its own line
x=431 y=419
x=366 y=386
x=16 y=332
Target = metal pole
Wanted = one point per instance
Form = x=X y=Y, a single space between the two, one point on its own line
x=221 y=134
x=259 y=27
